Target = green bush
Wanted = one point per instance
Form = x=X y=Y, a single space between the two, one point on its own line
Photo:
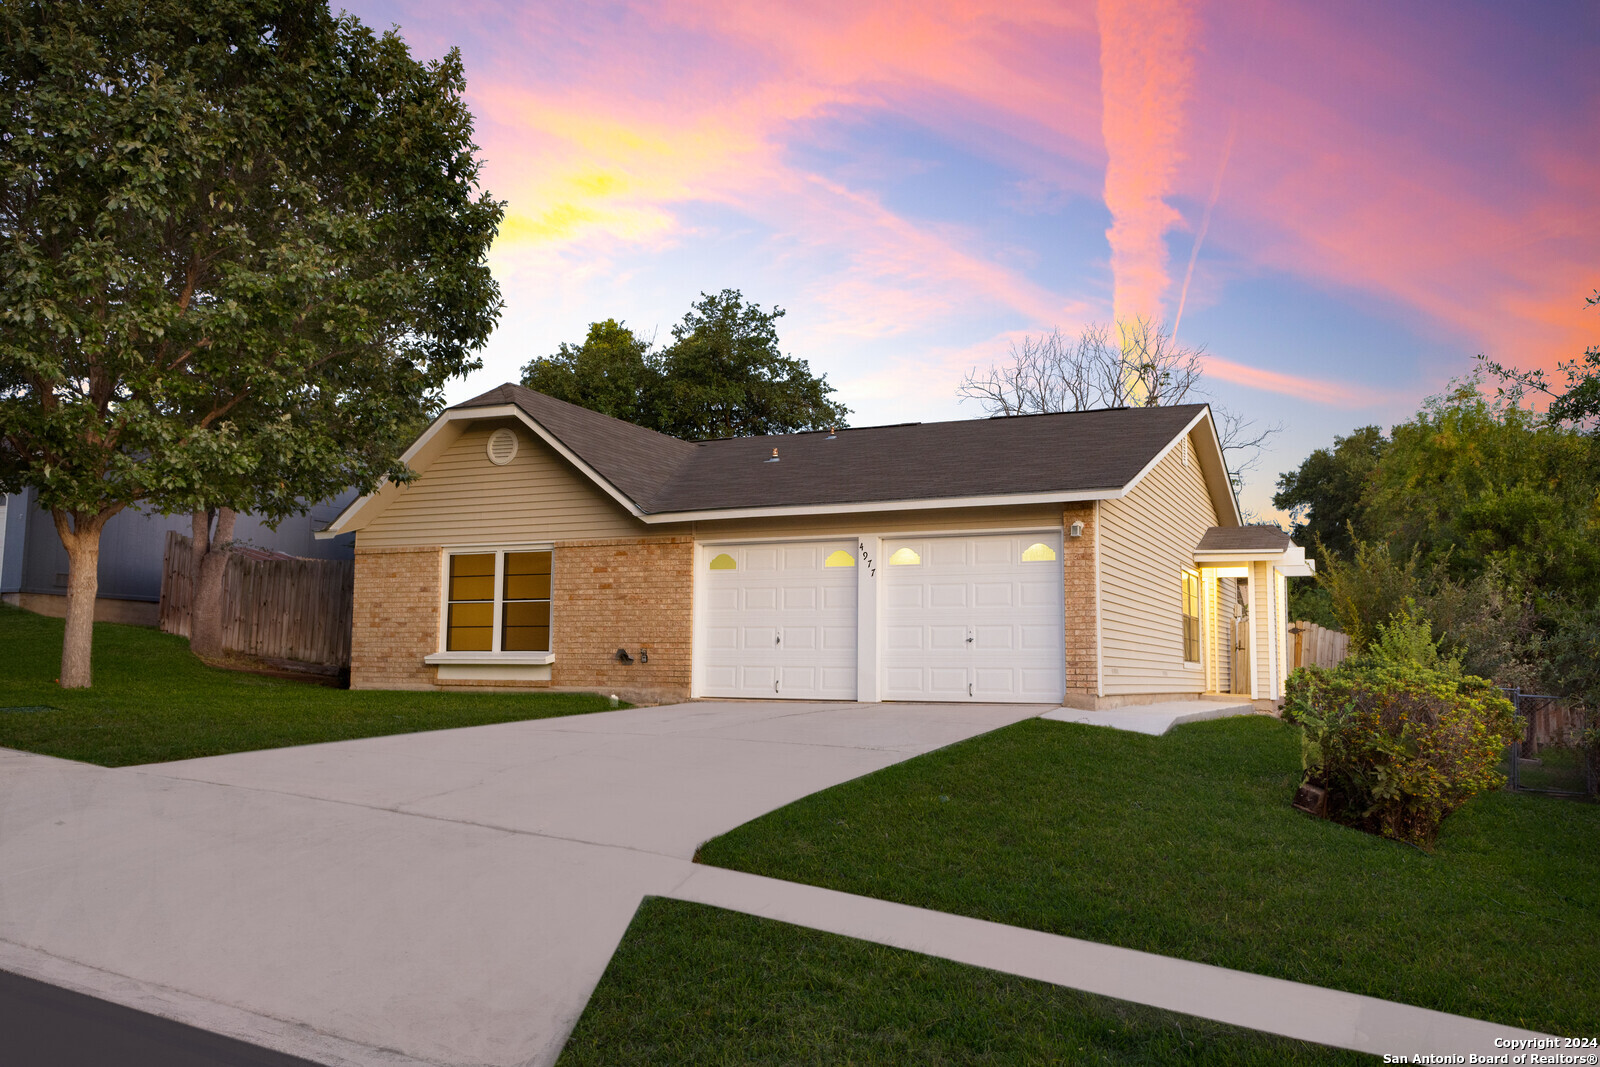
x=1400 y=737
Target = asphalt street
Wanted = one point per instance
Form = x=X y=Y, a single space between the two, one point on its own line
x=46 y=1026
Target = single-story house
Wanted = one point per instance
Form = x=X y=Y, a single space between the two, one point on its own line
x=1095 y=558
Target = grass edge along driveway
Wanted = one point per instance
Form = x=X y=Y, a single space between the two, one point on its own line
x=1185 y=845
x=154 y=701
x=691 y=983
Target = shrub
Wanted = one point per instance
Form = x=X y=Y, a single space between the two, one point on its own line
x=1400 y=737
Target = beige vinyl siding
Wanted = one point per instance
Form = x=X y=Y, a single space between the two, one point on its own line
x=464 y=499
x=932 y=520
x=1281 y=624
x=1147 y=541
x=1213 y=590
x=1220 y=639
x=1262 y=578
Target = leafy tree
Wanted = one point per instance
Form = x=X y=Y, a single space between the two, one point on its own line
x=613 y=372
x=1485 y=621
x=1327 y=494
x=242 y=253
x=1143 y=367
x=1576 y=402
x=1471 y=482
x=723 y=375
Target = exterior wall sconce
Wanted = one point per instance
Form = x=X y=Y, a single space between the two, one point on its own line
x=1077 y=529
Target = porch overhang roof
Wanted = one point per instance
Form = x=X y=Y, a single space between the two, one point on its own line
x=1226 y=546
x=1290 y=560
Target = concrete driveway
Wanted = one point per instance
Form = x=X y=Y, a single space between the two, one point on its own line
x=448 y=897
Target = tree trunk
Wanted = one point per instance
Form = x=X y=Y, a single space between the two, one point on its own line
x=81 y=538
x=211 y=566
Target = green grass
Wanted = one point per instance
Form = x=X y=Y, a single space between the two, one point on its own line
x=696 y=984
x=153 y=701
x=1186 y=845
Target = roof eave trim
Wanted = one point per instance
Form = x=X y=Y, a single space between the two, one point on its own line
x=498 y=411
x=856 y=506
x=1204 y=414
x=1241 y=553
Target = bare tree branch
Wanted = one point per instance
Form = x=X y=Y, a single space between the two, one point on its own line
x=1145 y=368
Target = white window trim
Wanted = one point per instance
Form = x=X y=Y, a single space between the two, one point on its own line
x=443 y=655
x=1199 y=627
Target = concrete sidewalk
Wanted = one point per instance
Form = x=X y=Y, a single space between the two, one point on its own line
x=1154 y=719
x=1272 y=1005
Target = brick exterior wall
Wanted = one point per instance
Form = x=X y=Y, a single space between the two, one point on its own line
x=396 y=617
x=624 y=593
x=1082 y=614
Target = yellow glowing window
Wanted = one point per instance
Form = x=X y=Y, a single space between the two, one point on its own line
x=1038 y=552
x=840 y=558
x=724 y=562
x=470 y=627
x=512 y=588
x=525 y=603
x=904 y=557
x=1191 y=617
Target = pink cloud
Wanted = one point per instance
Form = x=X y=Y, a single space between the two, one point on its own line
x=1146 y=60
x=1334 y=394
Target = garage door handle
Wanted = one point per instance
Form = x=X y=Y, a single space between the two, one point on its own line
x=969 y=689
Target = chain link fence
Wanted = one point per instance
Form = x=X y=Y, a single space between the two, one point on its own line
x=1557 y=753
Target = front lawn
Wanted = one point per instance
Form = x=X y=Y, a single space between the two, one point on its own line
x=1185 y=845
x=696 y=984
x=154 y=701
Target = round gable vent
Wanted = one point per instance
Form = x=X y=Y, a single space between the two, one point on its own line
x=502 y=447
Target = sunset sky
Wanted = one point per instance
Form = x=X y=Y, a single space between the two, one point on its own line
x=1344 y=202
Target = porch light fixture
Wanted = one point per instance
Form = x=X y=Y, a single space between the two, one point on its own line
x=1077 y=529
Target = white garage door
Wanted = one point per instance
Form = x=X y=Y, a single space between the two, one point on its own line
x=779 y=620
x=974 y=618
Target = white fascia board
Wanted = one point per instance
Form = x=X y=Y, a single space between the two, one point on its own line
x=1216 y=444
x=1222 y=461
x=1242 y=555
x=499 y=411
x=1295 y=564
x=866 y=506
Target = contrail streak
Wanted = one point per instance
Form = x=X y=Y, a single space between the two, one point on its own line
x=1205 y=219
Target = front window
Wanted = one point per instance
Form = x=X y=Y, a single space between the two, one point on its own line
x=498 y=602
x=1191 y=617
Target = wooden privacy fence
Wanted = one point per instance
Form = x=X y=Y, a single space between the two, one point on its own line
x=273 y=606
x=1317 y=646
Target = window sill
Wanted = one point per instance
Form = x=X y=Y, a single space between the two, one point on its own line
x=504 y=659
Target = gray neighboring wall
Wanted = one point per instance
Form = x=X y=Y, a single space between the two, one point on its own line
x=32 y=559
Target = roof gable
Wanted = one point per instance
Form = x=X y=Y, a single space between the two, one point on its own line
x=975 y=462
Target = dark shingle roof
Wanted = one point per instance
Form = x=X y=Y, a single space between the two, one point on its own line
x=1243 y=539
x=1031 y=454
